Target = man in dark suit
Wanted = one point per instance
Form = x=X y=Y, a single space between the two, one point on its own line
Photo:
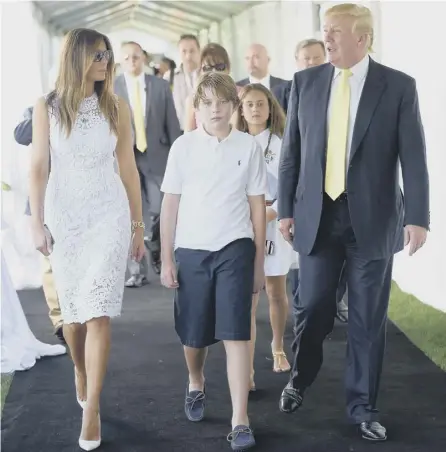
x=350 y=123
x=309 y=53
x=155 y=127
x=257 y=62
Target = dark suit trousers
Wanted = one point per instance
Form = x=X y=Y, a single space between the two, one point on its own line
x=369 y=289
x=294 y=279
x=151 y=206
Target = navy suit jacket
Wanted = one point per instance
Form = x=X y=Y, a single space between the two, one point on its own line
x=387 y=131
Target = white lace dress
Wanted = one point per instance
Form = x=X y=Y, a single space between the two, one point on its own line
x=87 y=212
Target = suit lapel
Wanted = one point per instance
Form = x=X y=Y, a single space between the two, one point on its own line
x=123 y=87
x=321 y=96
x=371 y=94
x=125 y=94
x=148 y=97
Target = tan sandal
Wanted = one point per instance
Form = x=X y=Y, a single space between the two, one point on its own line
x=252 y=385
x=281 y=363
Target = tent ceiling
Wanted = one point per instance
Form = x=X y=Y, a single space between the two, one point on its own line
x=159 y=18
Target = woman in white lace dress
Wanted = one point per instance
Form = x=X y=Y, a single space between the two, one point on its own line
x=83 y=214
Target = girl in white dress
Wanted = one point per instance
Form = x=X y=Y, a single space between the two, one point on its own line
x=260 y=115
x=81 y=215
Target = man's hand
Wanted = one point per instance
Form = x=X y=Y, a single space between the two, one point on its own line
x=169 y=275
x=415 y=237
x=286 y=228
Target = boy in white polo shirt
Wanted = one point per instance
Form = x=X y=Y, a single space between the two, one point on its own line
x=213 y=215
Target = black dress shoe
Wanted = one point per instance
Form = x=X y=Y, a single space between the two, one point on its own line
x=372 y=431
x=290 y=399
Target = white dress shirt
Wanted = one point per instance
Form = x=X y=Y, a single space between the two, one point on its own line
x=130 y=82
x=266 y=81
x=356 y=82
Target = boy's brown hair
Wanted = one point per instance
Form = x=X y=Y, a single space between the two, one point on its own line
x=276 y=120
x=222 y=85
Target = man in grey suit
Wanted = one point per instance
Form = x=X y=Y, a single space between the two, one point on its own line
x=155 y=128
x=339 y=199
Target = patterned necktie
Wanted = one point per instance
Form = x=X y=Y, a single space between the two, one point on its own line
x=337 y=137
x=138 y=117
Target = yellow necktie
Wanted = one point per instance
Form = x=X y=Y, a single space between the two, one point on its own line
x=138 y=117
x=337 y=137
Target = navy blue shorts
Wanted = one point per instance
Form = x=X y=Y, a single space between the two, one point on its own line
x=214 y=298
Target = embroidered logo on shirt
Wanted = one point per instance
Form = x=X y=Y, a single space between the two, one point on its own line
x=269 y=156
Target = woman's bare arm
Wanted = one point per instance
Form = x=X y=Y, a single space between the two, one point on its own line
x=40 y=161
x=271 y=214
x=168 y=224
x=126 y=162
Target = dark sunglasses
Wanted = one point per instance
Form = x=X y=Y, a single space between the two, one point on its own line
x=220 y=67
x=102 y=55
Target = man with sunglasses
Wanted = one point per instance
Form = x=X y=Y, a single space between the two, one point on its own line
x=155 y=127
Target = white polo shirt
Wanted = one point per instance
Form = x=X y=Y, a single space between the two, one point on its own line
x=214 y=180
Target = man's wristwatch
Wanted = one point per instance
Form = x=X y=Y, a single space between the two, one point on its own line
x=138 y=224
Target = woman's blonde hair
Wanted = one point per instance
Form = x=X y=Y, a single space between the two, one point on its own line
x=276 y=119
x=362 y=15
x=77 y=56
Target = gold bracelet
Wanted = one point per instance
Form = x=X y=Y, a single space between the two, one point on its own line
x=138 y=224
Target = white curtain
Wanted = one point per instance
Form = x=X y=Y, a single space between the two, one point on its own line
x=22 y=85
x=422 y=274
x=19 y=347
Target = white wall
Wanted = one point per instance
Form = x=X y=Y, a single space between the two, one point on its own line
x=279 y=25
x=22 y=84
x=23 y=81
x=412 y=45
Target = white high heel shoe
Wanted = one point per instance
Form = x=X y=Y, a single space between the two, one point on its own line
x=91 y=444
x=82 y=403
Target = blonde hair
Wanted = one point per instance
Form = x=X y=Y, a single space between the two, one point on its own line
x=76 y=58
x=221 y=84
x=276 y=120
x=363 y=19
